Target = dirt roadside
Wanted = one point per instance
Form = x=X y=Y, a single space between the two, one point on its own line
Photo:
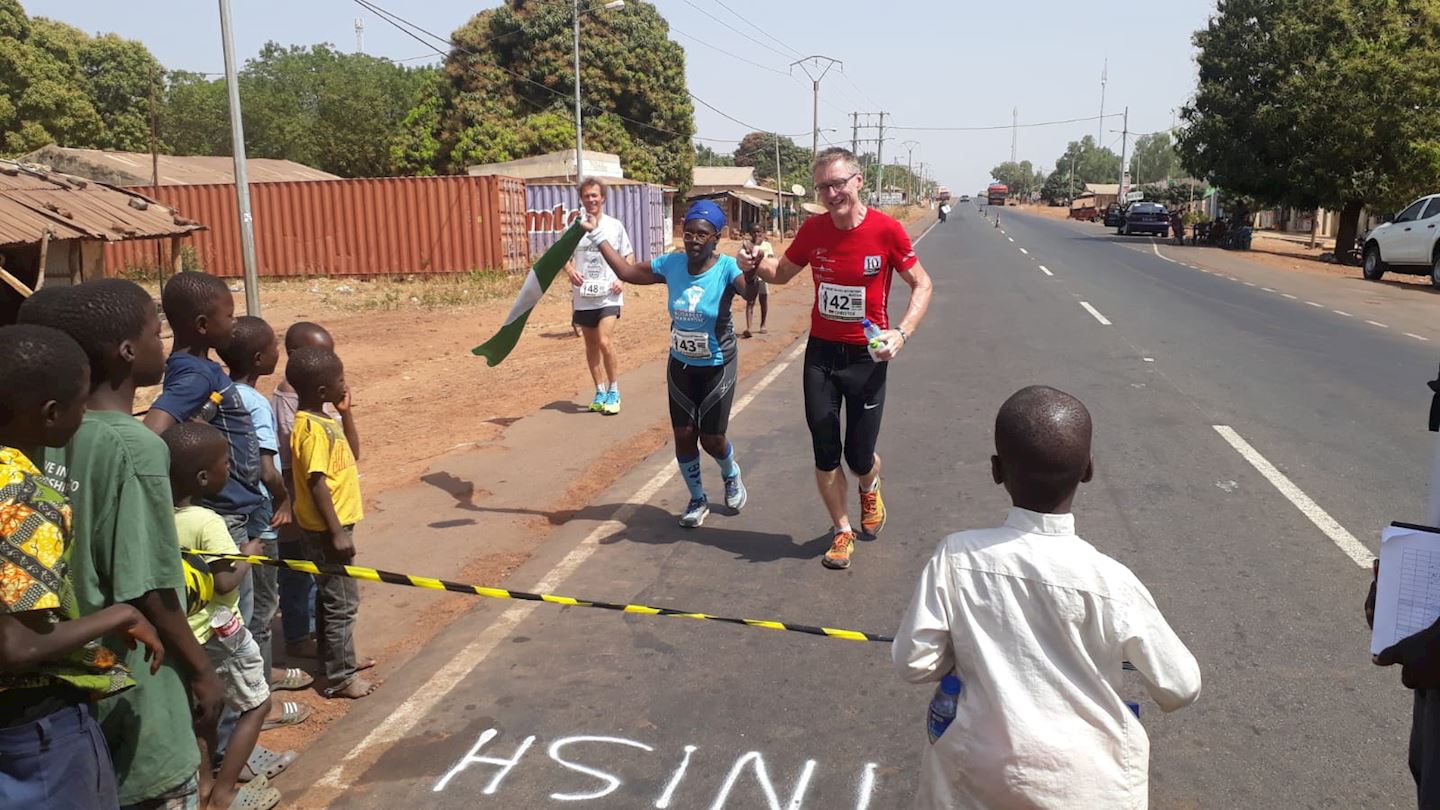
x=466 y=468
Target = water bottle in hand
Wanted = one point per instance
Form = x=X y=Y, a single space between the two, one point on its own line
x=873 y=342
x=942 y=706
x=209 y=409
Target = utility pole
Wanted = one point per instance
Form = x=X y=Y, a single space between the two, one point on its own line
x=1104 y=75
x=154 y=177
x=1014 y=133
x=359 y=34
x=816 y=73
x=242 y=180
x=779 y=191
x=1124 y=136
x=910 y=170
x=1072 y=176
x=855 y=133
x=579 y=136
x=880 y=159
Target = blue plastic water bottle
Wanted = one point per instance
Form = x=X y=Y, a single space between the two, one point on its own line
x=872 y=337
x=942 y=706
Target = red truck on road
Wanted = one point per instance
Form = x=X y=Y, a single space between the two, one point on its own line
x=996 y=193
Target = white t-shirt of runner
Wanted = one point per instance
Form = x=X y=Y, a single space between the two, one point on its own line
x=597 y=277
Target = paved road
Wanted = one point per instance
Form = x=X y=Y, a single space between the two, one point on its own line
x=613 y=711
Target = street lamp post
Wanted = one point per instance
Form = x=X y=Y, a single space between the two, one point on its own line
x=579 y=134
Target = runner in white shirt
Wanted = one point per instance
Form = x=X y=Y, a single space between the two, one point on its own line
x=598 y=295
x=1037 y=623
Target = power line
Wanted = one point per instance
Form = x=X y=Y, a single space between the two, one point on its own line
x=748 y=38
x=763 y=32
x=402 y=25
x=728 y=53
x=1010 y=125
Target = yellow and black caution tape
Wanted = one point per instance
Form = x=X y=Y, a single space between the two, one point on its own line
x=376 y=575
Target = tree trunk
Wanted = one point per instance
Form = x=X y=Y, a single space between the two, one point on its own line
x=1349 y=227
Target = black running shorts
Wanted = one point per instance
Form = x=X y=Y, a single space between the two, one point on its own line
x=843 y=375
x=701 y=396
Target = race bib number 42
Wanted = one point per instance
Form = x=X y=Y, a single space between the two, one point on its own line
x=690 y=344
x=840 y=303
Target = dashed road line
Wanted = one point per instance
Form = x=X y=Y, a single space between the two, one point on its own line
x=1093 y=311
x=1342 y=538
x=1011 y=238
x=1268 y=289
x=1291 y=297
x=1026 y=252
x=1251 y=284
x=1377 y=323
x=1417 y=337
x=1315 y=304
x=1342 y=313
x=1046 y=270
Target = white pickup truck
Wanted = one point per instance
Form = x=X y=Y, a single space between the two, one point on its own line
x=1410 y=244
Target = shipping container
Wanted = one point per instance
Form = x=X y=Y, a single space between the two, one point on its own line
x=363 y=227
x=640 y=207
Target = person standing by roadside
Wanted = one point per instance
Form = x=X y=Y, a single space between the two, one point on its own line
x=759 y=290
x=598 y=294
x=853 y=254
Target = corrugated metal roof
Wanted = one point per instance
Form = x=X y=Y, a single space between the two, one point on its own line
x=33 y=201
x=134 y=168
x=724 y=176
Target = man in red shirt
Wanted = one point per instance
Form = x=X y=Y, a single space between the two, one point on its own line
x=853 y=254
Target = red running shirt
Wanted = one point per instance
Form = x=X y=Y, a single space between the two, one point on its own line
x=852 y=270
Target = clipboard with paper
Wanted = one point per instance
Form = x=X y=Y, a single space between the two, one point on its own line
x=1407 y=590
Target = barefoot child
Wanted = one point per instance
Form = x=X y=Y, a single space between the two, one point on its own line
x=199 y=468
x=327 y=507
x=1037 y=623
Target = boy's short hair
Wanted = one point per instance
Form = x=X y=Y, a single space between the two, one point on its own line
x=188 y=295
x=194 y=446
x=301 y=331
x=38 y=364
x=99 y=315
x=1043 y=436
x=311 y=367
x=249 y=338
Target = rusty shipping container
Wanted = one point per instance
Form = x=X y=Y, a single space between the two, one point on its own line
x=551 y=207
x=364 y=227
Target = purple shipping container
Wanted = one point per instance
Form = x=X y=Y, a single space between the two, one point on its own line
x=550 y=208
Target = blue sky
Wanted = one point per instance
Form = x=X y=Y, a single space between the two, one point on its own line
x=926 y=63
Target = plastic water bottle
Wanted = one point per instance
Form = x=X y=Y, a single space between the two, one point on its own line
x=872 y=337
x=942 y=706
x=209 y=409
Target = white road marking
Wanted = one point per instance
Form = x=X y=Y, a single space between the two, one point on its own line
x=455 y=671
x=1291 y=297
x=1342 y=538
x=1268 y=289
x=1046 y=270
x=1156 y=248
x=1251 y=284
x=1148 y=359
x=1093 y=311
x=1315 y=304
x=1011 y=238
x=1417 y=337
x=1026 y=252
x=1342 y=312
x=1377 y=323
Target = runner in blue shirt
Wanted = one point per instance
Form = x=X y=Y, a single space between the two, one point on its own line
x=701 y=373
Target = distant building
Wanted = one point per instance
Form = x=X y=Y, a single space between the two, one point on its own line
x=555 y=167
x=53 y=228
x=740 y=196
x=134 y=168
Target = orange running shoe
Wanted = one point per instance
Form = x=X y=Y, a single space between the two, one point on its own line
x=872 y=511
x=838 y=556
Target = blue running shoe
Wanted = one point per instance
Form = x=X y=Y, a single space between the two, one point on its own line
x=695 y=512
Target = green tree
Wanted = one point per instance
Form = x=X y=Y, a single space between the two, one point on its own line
x=512 y=70
x=705 y=156
x=415 y=147
x=194 y=115
x=758 y=149
x=1155 y=159
x=1275 y=116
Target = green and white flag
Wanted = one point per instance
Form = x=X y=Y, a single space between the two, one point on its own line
x=497 y=348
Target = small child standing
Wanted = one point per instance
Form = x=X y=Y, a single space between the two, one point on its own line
x=199 y=469
x=327 y=507
x=1037 y=625
x=759 y=290
x=52 y=665
x=253 y=353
